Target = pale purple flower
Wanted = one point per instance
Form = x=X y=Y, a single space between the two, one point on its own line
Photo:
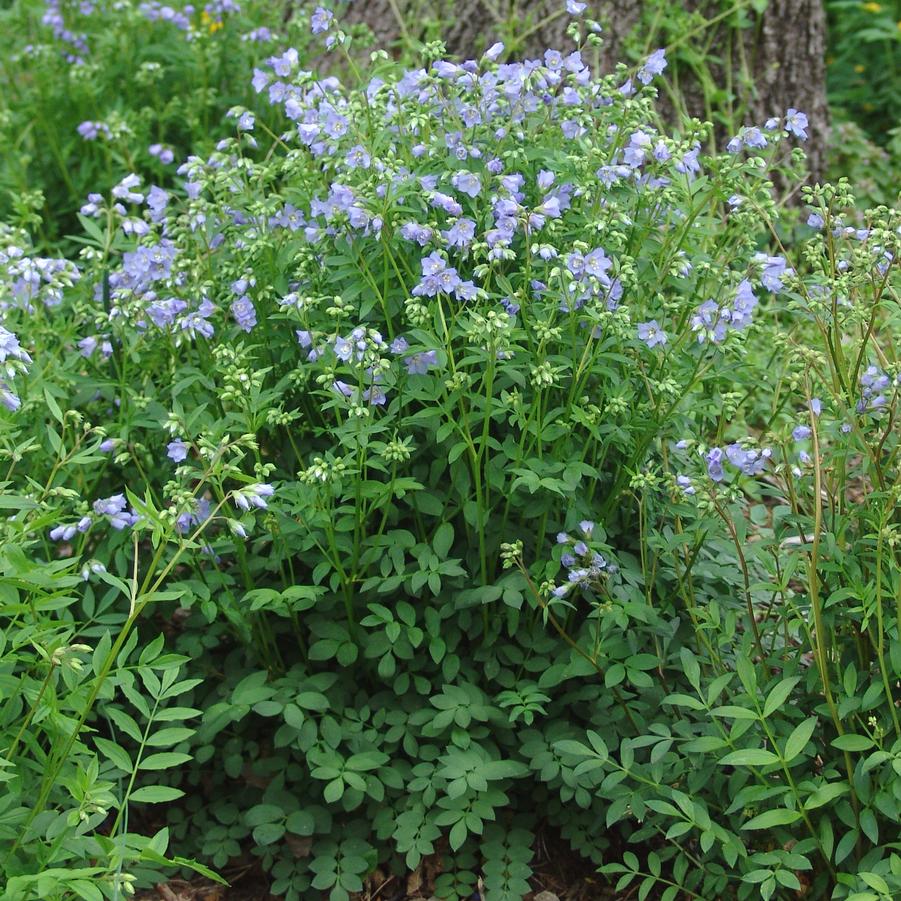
x=654 y=65
x=685 y=483
x=253 y=496
x=749 y=460
x=651 y=333
x=244 y=313
x=467 y=183
x=177 y=450
x=714 y=461
x=775 y=269
x=123 y=190
x=709 y=322
x=689 y=164
x=460 y=234
x=321 y=20
x=358 y=158
x=9 y=398
x=796 y=123
x=743 y=306
x=420 y=363
x=113 y=508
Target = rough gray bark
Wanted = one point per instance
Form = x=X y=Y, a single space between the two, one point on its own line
x=784 y=47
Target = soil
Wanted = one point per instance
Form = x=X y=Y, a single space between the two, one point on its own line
x=560 y=875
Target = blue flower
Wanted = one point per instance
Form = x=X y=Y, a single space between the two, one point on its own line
x=177 y=450
x=749 y=460
x=113 y=508
x=710 y=322
x=653 y=65
x=651 y=333
x=9 y=398
x=467 y=182
x=796 y=123
x=689 y=164
x=685 y=483
x=343 y=349
x=10 y=349
x=460 y=234
x=321 y=20
x=743 y=306
x=775 y=269
x=420 y=363
x=244 y=313
x=358 y=158
x=253 y=496
x=815 y=220
x=714 y=461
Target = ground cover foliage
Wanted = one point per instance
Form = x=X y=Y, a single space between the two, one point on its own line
x=451 y=453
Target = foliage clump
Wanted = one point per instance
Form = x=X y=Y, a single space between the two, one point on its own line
x=491 y=460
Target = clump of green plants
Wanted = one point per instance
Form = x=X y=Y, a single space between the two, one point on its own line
x=864 y=65
x=489 y=466
x=90 y=88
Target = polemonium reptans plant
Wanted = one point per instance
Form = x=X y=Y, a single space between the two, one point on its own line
x=496 y=461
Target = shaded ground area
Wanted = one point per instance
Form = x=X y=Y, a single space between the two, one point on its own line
x=560 y=875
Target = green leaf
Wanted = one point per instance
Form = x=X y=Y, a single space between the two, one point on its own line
x=704 y=744
x=443 y=540
x=171 y=736
x=115 y=753
x=797 y=741
x=263 y=813
x=252 y=689
x=782 y=816
x=503 y=769
x=852 y=743
x=155 y=794
x=458 y=835
x=301 y=822
x=779 y=695
x=747 y=673
x=824 y=794
x=164 y=761
x=312 y=700
x=869 y=826
x=52 y=405
x=750 y=757
x=125 y=722
x=682 y=700
x=334 y=791
x=734 y=713
x=267 y=833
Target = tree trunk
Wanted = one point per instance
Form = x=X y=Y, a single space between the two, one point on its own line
x=777 y=60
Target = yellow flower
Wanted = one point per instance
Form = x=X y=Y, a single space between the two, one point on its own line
x=859 y=68
x=873 y=7
x=212 y=25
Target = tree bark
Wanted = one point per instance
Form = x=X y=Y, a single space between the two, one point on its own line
x=782 y=49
